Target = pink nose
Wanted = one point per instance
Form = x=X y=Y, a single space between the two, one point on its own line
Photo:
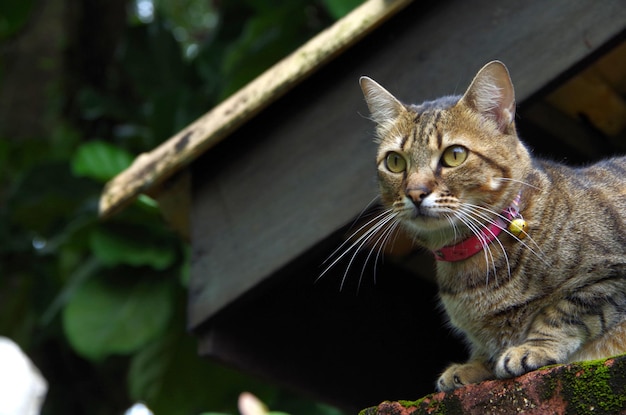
x=418 y=194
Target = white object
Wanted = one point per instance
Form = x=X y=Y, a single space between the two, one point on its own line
x=249 y=404
x=138 y=409
x=22 y=388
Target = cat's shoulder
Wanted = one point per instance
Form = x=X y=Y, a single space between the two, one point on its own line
x=616 y=163
x=606 y=173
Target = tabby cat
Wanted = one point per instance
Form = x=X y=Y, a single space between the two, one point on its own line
x=531 y=254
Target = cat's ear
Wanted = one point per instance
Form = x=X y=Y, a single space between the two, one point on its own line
x=491 y=93
x=383 y=106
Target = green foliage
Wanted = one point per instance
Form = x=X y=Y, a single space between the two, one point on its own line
x=100 y=160
x=339 y=8
x=13 y=15
x=168 y=374
x=270 y=34
x=93 y=301
x=105 y=317
x=133 y=245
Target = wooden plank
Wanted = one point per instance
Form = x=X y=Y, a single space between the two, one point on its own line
x=612 y=68
x=303 y=170
x=589 y=95
x=569 y=132
x=596 y=95
x=150 y=169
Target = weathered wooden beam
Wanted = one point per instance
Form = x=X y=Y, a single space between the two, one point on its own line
x=152 y=168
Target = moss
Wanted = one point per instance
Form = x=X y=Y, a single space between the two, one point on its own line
x=549 y=388
x=450 y=404
x=425 y=405
x=417 y=403
x=595 y=387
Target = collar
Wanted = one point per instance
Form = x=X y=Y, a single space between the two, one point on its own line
x=477 y=243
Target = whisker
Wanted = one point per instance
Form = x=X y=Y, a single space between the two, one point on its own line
x=475 y=227
x=508 y=179
x=361 y=242
x=540 y=255
x=378 y=247
x=362 y=213
x=381 y=232
x=349 y=239
x=472 y=211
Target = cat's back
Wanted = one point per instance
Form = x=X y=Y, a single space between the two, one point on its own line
x=588 y=186
x=578 y=214
x=608 y=174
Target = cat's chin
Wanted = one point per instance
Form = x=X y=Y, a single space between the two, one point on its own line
x=426 y=225
x=433 y=232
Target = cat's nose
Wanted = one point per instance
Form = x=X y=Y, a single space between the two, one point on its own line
x=418 y=194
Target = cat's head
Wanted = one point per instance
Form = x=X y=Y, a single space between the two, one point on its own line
x=448 y=165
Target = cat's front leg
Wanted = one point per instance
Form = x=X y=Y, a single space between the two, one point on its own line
x=458 y=375
x=518 y=360
x=555 y=334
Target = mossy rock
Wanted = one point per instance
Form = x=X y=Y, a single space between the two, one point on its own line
x=592 y=387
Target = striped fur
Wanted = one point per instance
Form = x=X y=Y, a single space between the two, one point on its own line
x=556 y=296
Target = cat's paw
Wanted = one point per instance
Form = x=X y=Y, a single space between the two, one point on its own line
x=458 y=375
x=518 y=360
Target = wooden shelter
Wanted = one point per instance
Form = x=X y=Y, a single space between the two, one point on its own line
x=269 y=182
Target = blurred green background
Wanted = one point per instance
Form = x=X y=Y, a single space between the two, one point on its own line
x=85 y=86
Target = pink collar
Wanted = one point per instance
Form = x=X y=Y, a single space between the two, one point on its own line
x=476 y=243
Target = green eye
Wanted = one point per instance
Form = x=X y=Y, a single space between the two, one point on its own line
x=454 y=156
x=395 y=162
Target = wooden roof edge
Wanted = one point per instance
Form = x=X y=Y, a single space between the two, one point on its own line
x=152 y=168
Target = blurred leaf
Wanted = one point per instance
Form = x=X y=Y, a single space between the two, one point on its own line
x=339 y=8
x=172 y=379
x=104 y=318
x=62 y=142
x=46 y=196
x=153 y=59
x=85 y=270
x=13 y=15
x=166 y=112
x=94 y=104
x=100 y=161
x=138 y=248
x=147 y=202
x=192 y=21
x=267 y=37
x=16 y=303
x=91 y=103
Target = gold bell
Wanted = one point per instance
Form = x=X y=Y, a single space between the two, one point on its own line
x=518 y=228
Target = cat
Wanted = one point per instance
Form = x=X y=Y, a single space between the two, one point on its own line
x=530 y=254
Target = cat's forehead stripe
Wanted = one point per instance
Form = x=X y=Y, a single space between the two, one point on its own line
x=426 y=124
x=409 y=139
x=432 y=126
x=429 y=129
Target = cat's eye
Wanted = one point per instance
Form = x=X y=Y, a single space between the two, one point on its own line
x=454 y=156
x=395 y=162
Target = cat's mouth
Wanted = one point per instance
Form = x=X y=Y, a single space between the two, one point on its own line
x=426 y=213
x=425 y=210
x=426 y=219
